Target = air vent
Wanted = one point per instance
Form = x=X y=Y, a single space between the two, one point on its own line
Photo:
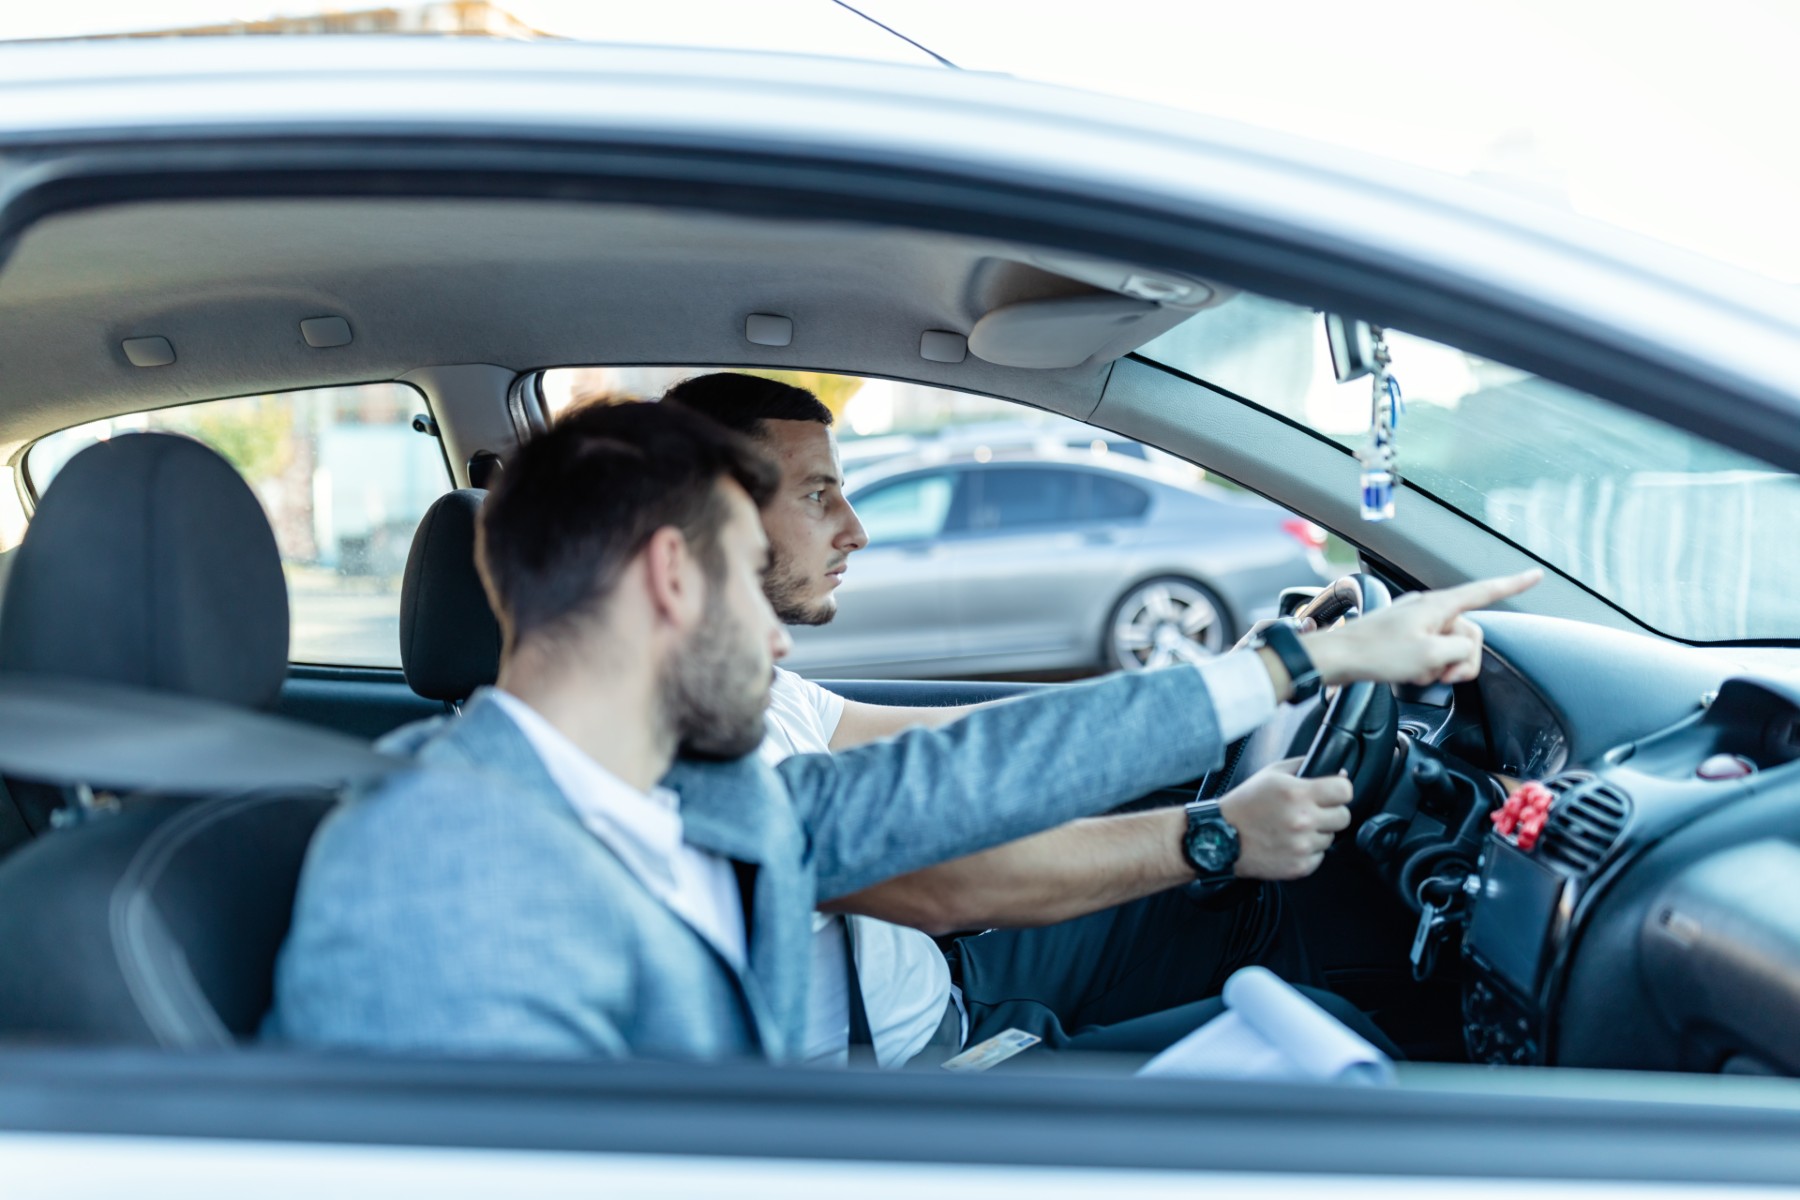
x=1585 y=821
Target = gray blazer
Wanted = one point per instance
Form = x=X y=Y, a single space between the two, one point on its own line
x=464 y=908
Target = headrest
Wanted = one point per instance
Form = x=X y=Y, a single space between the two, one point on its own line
x=149 y=563
x=449 y=639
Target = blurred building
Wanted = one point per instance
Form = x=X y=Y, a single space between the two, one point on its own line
x=444 y=18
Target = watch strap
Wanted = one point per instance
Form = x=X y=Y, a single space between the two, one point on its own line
x=1303 y=677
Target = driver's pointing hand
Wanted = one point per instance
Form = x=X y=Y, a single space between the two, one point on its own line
x=1421 y=638
x=1284 y=823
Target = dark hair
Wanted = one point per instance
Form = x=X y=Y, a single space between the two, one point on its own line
x=578 y=502
x=743 y=402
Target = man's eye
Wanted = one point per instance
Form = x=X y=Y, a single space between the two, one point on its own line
x=816 y=497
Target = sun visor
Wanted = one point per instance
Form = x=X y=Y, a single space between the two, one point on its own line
x=1064 y=331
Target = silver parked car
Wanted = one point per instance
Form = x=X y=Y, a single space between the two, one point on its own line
x=1051 y=562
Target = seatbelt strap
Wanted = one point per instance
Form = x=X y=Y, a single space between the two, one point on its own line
x=1215 y=783
x=862 y=1042
x=113 y=738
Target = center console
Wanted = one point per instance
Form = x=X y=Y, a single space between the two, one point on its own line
x=1520 y=907
x=1530 y=895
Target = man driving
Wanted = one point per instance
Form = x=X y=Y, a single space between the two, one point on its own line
x=1064 y=958
x=549 y=880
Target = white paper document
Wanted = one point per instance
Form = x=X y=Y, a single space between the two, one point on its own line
x=1270 y=1031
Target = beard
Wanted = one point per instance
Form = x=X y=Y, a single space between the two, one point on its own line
x=787 y=593
x=714 y=694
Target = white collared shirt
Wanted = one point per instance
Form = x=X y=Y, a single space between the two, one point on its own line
x=645 y=832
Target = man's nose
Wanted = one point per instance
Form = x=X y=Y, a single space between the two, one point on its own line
x=854 y=537
x=780 y=643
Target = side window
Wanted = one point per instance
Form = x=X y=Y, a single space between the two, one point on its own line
x=1112 y=499
x=1021 y=497
x=906 y=510
x=1017 y=505
x=344 y=479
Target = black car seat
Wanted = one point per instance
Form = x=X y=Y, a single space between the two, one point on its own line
x=82 y=622
x=149 y=584
x=449 y=638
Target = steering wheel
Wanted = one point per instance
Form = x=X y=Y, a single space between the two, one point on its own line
x=1361 y=721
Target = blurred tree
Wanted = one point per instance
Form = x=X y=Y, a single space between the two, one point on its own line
x=254 y=434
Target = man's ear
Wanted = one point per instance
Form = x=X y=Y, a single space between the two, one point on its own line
x=672 y=576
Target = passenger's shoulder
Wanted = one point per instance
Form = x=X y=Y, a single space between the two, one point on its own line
x=409 y=739
x=741 y=792
x=445 y=806
x=740 y=775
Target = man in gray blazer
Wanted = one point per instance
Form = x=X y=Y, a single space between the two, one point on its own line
x=531 y=888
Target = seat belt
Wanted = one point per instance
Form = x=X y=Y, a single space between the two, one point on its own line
x=862 y=1042
x=114 y=738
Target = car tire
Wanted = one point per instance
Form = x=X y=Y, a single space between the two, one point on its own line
x=1162 y=621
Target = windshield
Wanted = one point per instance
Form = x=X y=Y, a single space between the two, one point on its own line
x=1690 y=539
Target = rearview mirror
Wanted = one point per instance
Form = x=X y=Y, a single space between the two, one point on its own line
x=1352 y=345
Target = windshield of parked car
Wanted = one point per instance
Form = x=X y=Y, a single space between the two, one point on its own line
x=1691 y=539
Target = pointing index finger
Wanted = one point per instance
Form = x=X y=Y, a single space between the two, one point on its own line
x=1481 y=593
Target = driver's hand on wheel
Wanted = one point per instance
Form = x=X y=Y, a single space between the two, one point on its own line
x=1421 y=638
x=1285 y=824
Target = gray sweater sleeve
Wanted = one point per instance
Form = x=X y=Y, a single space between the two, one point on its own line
x=999 y=774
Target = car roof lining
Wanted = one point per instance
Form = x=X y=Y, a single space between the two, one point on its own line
x=515 y=283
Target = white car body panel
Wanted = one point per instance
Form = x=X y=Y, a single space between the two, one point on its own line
x=1677 y=307
x=43 y=1167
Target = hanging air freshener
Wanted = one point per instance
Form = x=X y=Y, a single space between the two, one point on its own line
x=1380 y=465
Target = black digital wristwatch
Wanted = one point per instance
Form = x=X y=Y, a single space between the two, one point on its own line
x=1303 y=676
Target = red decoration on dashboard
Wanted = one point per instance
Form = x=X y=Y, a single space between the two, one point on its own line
x=1523 y=815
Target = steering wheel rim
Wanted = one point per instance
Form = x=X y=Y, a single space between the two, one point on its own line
x=1359 y=714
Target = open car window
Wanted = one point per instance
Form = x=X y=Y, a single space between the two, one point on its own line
x=1005 y=542
x=1687 y=537
x=344 y=479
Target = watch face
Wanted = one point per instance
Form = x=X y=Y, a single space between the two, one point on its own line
x=1212 y=844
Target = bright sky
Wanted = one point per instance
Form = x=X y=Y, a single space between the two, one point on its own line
x=1670 y=117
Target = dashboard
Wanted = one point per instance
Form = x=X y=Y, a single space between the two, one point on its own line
x=1653 y=921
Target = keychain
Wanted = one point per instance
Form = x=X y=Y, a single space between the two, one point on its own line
x=1380 y=471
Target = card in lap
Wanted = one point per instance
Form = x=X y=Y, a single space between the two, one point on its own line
x=994 y=1050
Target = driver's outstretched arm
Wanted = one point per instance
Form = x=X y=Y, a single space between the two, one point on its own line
x=1284 y=825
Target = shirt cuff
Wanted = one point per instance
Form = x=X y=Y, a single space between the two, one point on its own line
x=1243 y=695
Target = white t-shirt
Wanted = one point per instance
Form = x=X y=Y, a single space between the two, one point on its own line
x=905 y=980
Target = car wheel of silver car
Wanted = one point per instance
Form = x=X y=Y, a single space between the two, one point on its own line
x=1161 y=622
